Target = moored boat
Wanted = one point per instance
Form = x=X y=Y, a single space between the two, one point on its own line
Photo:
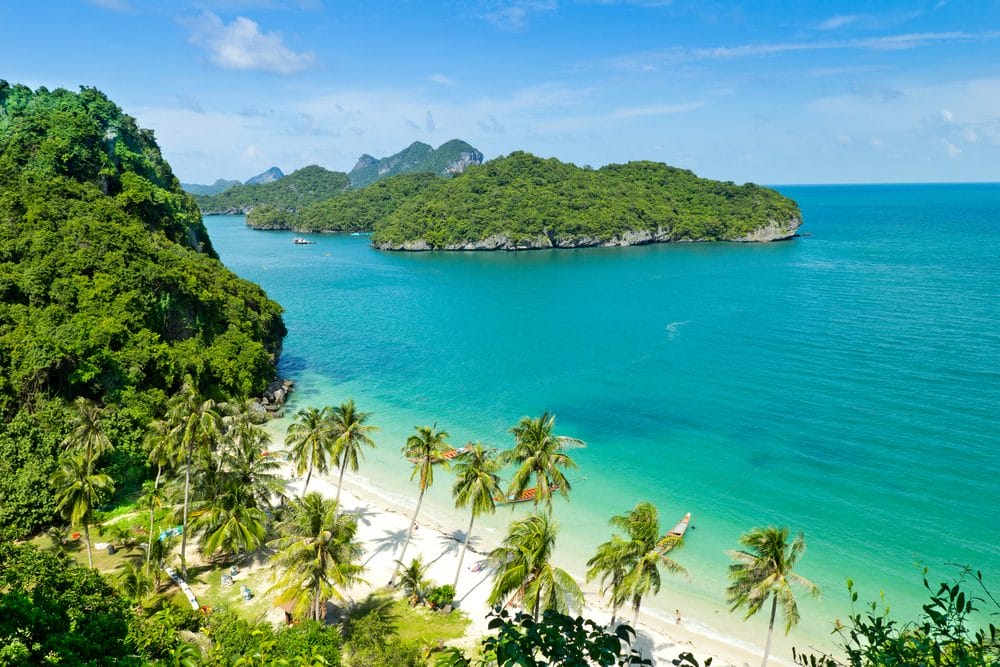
x=298 y=240
x=681 y=527
x=449 y=454
x=528 y=495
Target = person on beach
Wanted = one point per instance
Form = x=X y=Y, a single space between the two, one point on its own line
x=677 y=616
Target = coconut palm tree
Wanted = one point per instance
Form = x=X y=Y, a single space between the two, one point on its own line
x=352 y=434
x=413 y=580
x=764 y=570
x=540 y=454
x=78 y=490
x=153 y=498
x=610 y=564
x=644 y=553
x=87 y=434
x=195 y=425
x=163 y=452
x=423 y=449
x=316 y=554
x=134 y=582
x=242 y=459
x=524 y=569
x=477 y=485
x=311 y=440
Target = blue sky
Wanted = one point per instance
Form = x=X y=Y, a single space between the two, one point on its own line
x=772 y=92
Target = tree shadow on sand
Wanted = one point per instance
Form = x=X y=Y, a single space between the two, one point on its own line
x=392 y=541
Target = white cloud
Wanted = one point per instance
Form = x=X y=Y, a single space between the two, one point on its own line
x=946 y=115
x=835 y=22
x=251 y=153
x=843 y=139
x=658 y=110
x=970 y=135
x=441 y=79
x=950 y=148
x=112 y=5
x=514 y=14
x=241 y=45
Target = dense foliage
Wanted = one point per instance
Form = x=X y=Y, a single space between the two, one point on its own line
x=110 y=290
x=450 y=157
x=53 y=612
x=526 y=198
x=292 y=192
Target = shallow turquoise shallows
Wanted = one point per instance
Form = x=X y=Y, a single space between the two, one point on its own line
x=845 y=383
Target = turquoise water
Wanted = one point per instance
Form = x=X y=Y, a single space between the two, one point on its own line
x=846 y=383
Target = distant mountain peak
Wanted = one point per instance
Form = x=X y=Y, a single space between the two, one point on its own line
x=451 y=157
x=269 y=176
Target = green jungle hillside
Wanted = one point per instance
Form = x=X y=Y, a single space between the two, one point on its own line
x=525 y=201
x=292 y=192
x=111 y=291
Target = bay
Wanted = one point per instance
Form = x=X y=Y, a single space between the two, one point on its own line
x=844 y=383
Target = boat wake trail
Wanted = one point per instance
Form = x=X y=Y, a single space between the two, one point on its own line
x=673 y=328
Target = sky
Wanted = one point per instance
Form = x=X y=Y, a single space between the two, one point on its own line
x=773 y=92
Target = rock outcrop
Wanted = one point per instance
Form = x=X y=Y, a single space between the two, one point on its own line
x=774 y=231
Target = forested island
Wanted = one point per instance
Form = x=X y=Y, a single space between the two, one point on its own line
x=522 y=201
x=112 y=293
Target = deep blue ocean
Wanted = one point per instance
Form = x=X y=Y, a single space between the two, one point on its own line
x=844 y=383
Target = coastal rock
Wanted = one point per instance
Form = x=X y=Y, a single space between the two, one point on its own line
x=774 y=230
x=275 y=394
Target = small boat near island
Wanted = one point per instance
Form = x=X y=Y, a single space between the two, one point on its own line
x=449 y=454
x=298 y=240
x=528 y=495
x=678 y=530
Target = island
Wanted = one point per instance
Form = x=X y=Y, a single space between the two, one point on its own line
x=521 y=202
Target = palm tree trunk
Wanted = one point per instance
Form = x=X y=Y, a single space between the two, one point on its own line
x=184 y=522
x=308 y=477
x=770 y=629
x=339 y=485
x=465 y=546
x=409 y=534
x=156 y=485
x=86 y=534
x=614 y=617
x=636 y=601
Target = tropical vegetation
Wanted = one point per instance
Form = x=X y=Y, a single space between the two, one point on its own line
x=540 y=455
x=292 y=192
x=762 y=571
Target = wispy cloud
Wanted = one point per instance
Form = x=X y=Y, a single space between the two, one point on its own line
x=113 y=5
x=441 y=79
x=651 y=59
x=242 y=45
x=657 y=110
x=840 y=21
x=514 y=14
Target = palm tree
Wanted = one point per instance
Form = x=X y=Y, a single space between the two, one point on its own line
x=243 y=460
x=87 y=434
x=540 y=455
x=643 y=554
x=764 y=570
x=610 y=564
x=195 y=425
x=413 y=581
x=134 y=582
x=477 y=485
x=78 y=490
x=524 y=569
x=317 y=554
x=163 y=452
x=352 y=434
x=311 y=440
x=424 y=449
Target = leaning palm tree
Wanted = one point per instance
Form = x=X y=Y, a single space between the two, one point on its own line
x=524 y=570
x=763 y=570
x=78 y=490
x=154 y=498
x=310 y=439
x=540 y=454
x=609 y=564
x=87 y=434
x=352 y=434
x=423 y=449
x=647 y=554
x=477 y=484
x=316 y=554
x=195 y=425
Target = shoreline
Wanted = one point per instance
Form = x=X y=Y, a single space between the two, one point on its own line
x=383 y=522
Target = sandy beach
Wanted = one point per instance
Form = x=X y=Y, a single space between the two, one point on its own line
x=382 y=528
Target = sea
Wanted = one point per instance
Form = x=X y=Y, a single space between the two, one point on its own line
x=844 y=383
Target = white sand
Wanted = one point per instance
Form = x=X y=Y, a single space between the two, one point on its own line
x=382 y=530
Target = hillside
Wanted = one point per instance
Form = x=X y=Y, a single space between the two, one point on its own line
x=111 y=290
x=452 y=157
x=220 y=185
x=522 y=201
x=291 y=192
